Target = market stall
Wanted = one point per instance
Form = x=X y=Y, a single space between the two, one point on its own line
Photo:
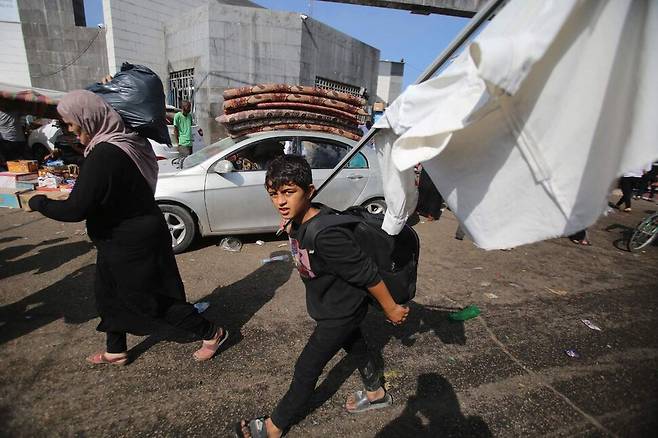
x=25 y=178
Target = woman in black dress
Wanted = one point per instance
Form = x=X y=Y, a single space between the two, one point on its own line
x=138 y=286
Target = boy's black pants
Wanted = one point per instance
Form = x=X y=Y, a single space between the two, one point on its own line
x=323 y=345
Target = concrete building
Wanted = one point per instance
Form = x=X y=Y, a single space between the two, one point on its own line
x=13 y=68
x=389 y=81
x=197 y=47
x=46 y=44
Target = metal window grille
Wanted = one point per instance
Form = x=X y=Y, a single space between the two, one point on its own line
x=181 y=87
x=337 y=86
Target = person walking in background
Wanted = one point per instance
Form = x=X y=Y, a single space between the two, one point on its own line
x=430 y=201
x=138 y=285
x=183 y=129
x=580 y=238
x=629 y=181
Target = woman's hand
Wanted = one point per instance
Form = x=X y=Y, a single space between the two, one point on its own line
x=36 y=202
x=397 y=314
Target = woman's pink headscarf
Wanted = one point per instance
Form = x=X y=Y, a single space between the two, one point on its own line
x=103 y=124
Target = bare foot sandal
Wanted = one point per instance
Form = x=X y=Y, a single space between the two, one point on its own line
x=209 y=348
x=102 y=359
x=362 y=404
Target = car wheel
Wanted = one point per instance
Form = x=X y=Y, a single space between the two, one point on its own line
x=40 y=152
x=181 y=226
x=375 y=206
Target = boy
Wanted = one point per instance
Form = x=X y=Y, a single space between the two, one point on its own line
x=183 y=129
x=336 y=275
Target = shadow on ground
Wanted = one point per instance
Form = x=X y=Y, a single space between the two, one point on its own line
x=234 y=305
x=70 y=298
x=231 y=306
x=434 y=411
x=378 y=332
x=47 y=259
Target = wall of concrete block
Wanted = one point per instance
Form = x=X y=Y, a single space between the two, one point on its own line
x=389 y=83
x=53 y=41
x=13 y=68
x=254 y=45
x=333 y=55
x=249 y=46
x=135 y=30
x=186 y=46
x=232 y=43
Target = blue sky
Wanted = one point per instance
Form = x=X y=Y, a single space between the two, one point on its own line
x=397 y=34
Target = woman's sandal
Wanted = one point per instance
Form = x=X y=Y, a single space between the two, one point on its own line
x=101 y=359
x=209 y=348
x=256 y=428
x=363 y=404
x=583 y=242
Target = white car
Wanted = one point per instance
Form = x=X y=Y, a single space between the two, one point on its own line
x=220 y=189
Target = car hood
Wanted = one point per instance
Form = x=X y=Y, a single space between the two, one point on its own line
x=166 y=167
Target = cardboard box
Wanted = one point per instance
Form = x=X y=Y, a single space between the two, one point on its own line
x=10 y=198
x=23 y=166
x=25 y=197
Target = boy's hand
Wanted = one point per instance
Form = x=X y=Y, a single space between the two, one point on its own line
x=397 y=314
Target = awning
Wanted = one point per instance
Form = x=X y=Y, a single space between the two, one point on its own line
x=39 y=102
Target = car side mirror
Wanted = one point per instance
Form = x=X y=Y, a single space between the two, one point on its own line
x=224 y=166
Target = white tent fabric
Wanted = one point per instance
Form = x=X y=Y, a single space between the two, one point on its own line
x=524 y=133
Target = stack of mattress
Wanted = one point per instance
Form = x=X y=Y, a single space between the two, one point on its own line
x=270 y=107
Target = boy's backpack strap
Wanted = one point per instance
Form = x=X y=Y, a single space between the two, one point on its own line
x=321 y=223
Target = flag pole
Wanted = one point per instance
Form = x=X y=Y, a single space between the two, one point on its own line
x=463 y=36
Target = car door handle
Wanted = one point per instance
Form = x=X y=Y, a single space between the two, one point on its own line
x=355 y=177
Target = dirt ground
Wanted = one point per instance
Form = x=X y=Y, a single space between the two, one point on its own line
x=504 y=373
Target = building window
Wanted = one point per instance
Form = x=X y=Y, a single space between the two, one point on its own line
x=79 y=13
x=338 y=86
x=181 y=87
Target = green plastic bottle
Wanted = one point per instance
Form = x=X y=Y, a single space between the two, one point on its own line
x=467 y=312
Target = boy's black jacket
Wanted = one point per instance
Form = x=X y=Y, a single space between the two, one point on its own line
x=339 y=273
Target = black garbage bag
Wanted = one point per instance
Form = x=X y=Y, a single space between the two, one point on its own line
x=137 y=94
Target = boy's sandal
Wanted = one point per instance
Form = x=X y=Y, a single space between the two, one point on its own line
x=208 y=350
x=101 y=359
x=256 y=428
x=363 y=404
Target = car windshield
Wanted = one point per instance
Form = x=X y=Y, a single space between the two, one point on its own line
x=208 y=152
